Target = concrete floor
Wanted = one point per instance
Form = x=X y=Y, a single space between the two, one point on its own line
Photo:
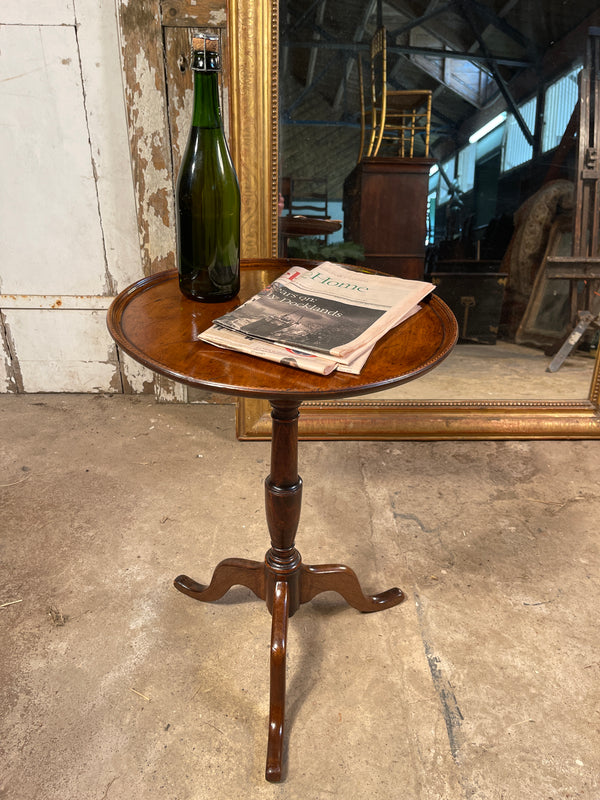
x=484 y=684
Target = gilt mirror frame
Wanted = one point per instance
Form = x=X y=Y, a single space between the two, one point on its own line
x=255 y=96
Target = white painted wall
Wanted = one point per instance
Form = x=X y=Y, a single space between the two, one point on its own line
x=68 y=229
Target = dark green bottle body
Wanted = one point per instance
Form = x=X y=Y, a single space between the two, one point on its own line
x=208 y=203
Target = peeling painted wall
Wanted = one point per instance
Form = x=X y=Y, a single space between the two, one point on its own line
x=82 y=87
x=68 y=226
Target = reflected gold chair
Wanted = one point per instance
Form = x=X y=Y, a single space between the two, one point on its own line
x=396 y=115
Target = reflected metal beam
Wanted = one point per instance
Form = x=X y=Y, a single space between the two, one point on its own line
x=434 y=52
x=308 y=89
x=299 y=20
x=464 y=6
x=502 y=25
x=414 y=23
x=350 y=59
x=312 y=58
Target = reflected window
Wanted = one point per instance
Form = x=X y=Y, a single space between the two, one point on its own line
x=434 y=178
x=561 y=99
x=431 y=203
x=466 y=168
x=517 y=149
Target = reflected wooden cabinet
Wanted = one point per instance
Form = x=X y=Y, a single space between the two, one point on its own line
x=385 y=210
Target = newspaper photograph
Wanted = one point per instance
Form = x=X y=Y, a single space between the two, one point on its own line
x=290 y=357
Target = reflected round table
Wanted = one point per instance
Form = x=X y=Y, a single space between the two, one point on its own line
x=157 y=326
x=305 y=226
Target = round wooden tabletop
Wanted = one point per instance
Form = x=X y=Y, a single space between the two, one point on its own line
x=308 y=226
x=159 y=327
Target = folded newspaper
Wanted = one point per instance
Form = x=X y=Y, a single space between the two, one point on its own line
x=320 y=320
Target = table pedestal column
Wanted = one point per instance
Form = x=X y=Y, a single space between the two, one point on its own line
x=282 y=580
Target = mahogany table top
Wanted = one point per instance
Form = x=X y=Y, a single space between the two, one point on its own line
x=157 y=326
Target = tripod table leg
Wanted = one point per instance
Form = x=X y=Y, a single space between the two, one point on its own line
x=228 y=573
x=341 y=579
x=277 y=702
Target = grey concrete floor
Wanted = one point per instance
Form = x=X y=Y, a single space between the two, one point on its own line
x=483 y=684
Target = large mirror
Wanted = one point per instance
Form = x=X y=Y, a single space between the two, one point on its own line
x=484 y=180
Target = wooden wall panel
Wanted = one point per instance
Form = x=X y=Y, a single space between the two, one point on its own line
x=63 y=351
x=145 y=93
x=49 y=226
x=67 y=224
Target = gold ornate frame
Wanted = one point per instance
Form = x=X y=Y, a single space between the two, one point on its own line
x=253 y=31
x=254 y=38
x=433 y=420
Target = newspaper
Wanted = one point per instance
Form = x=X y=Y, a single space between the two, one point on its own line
x=322 y=319
x=231 y=340
x=312 y=362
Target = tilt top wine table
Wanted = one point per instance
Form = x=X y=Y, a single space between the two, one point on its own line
x=156 y=325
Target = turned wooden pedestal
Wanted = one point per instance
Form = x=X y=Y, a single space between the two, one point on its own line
x=158 y=327
x=282 y=580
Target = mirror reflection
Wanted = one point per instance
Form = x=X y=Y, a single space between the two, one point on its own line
x=455 y=142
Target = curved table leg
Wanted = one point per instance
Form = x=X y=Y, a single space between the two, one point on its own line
x=341 y=579
x=228 y=573
x=281 y=579
x=277 y=702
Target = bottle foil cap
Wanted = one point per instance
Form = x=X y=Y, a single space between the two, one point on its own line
x=205 y=52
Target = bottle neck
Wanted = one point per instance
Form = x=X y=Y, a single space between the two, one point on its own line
x=207 y=113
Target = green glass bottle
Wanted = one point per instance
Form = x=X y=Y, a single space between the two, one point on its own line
x=208 y=193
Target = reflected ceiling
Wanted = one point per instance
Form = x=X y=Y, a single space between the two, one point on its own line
x=477 y=56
